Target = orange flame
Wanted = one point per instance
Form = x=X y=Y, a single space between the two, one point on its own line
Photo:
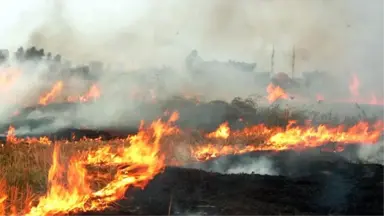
x=3 y=196
x=12 y=139
x=222 y=132
x=91 y=180
x=50 y=96
x=292 y=137
x=275 y=93
x=135 y=166
x=92 y=94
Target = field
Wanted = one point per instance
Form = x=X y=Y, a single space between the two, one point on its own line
x=243 y=159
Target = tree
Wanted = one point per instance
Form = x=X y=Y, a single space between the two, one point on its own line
x=57 y=58
x=40 y=54
x=20 y=53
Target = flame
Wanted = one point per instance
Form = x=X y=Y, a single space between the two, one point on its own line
x=52 y=94
x=174 y=117
x=12 y=139
x=291 y=137
x=354 y=87
x=3 y=196
x=135 y=165
x=9 y=204
x=92 y=94
x=93 y=179
x=316 y=136
x=221 y=132
x=275 y=93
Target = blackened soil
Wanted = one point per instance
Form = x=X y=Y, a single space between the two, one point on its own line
x=190 y=191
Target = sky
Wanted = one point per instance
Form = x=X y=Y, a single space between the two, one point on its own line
x=342 y=36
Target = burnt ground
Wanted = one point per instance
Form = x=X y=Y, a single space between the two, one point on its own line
x=327 y=184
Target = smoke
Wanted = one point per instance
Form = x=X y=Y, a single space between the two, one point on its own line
x=341 y=36
x=371 y=153
x=327 y=34
x=262 y=165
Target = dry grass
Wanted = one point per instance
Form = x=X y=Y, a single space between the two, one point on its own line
x=24 y=167
x=25 y=164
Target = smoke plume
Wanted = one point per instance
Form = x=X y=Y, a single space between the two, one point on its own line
x=340 y=36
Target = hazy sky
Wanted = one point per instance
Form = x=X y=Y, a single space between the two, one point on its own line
x=339 y=35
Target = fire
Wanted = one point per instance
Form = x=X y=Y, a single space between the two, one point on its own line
x=91 y=180
x=92 y=94
x=52 y=94
x=354 y=87
x=174 y=117
x=275 y=93
x=298 y=137
x=291 y=137
x=222 y=132
x=9 y=203
x=134 y=165
x=12 y=139
x=3 y=196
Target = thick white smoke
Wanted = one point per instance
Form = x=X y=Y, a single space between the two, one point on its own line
x=262 y=165
x=340 y=34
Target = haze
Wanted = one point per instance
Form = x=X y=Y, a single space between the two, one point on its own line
x=341 y=36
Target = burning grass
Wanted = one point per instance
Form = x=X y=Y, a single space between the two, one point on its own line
x=25 y=169
x=67 y=181
x=43 y=177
